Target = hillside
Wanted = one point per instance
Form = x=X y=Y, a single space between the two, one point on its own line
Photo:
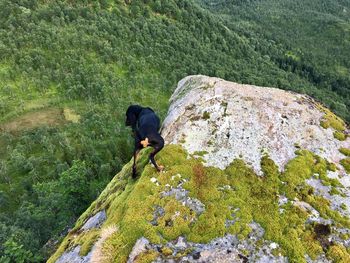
x=69 y=69
x=251 y=174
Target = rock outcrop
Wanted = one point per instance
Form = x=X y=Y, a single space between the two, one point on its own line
x=251 y=174
x=228 y=120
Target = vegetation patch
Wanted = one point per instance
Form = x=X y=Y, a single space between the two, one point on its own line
x=146 y=257
x=338 y=254
x=345 y=151
x=206 y=115
x=339 y=135
x=86 y=240
x=331 y=120
x=346 y=164
x=200 y=153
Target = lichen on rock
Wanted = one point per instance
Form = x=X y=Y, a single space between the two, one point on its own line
x=246 y=121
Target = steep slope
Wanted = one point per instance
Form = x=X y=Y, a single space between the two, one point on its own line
x=251 y=174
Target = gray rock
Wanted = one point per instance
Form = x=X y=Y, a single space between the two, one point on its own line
x=158 y=212
x=257 y=231
x=140 y=246
x=223 y=249
x=95 y=221
x=181 y=195
x=72 y=256
x=181 y=244
x=247 y=121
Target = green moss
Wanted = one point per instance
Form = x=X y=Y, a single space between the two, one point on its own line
x=86 y=240
x=182 y=141
x=343 y=206
x=210 y=224
x=322 y=205
x=304 y=166
x=206 y=115
x=203 y=181
x=147 y=257
x=332 y=167
x=331 y=120
x=338 y=254
x=182 y=253
x=334 y=191
x=346 y=164
x=345 y=151
x=200 y=153
x=329 y=181
x=339 y=135
x=257 y=200
x=167 y=251
x=345 y=236
x=61 y=249
x=134 y=208
x=276 y=252
x=176 y=220
x=314 y=248
x=324 y=124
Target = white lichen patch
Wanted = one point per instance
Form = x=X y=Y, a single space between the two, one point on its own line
x=229 y=120
x=153 y=180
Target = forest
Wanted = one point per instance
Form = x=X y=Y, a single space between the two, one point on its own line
x=69 y=70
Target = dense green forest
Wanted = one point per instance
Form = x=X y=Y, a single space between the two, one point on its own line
x=308 y=38
x=69 y=69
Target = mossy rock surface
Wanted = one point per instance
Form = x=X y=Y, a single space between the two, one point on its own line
x=233 y=198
